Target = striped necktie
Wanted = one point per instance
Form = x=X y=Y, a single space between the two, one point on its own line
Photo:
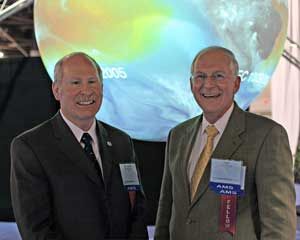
x=86 y=139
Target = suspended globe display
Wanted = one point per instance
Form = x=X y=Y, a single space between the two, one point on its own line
x=145 y=48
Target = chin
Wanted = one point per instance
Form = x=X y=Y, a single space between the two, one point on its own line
x=89 y=115
x=210 y=106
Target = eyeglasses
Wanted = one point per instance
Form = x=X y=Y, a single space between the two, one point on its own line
x=201 y=77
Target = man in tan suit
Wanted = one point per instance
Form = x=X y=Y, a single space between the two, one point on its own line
x=267 y=208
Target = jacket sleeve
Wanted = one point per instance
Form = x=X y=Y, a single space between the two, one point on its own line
x=165 y=201
x=138 y=221
x=30 y=193
x=275 y=187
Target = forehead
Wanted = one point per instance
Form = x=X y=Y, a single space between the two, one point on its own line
x=214 y=60
x=79 y=65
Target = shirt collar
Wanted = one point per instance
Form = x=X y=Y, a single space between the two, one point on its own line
x=221 y=123
x=78 y=132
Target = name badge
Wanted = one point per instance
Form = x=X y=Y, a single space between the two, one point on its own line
x=227 y=177
x=129 y=176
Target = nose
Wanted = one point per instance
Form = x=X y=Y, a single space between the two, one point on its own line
x=86 y=88
x=209 y=82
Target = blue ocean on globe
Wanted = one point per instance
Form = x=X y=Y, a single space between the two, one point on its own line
x=146 y=55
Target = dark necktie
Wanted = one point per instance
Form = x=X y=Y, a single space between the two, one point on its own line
x=87 y=141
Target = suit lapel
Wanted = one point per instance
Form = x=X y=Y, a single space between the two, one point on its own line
x=227 y=146
x=105 y=148
x=69 y=145
x=186 y=145
x=230 y=140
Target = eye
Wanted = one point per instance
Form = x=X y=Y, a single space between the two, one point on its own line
x=75 y=82
x=92 y=81
x=218 y=76
x=200 y=77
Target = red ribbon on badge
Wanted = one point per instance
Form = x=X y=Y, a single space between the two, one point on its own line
x=228 y=214
x=132 y=197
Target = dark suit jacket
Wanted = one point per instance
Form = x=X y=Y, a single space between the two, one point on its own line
x=57 y=194
x=267 y=211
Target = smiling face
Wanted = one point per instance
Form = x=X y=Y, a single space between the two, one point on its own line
x=79 y=90
x=214 y=83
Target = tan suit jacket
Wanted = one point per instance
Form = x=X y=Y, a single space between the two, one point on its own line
x=267 y=211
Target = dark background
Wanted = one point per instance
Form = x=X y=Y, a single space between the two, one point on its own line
x=26 y=100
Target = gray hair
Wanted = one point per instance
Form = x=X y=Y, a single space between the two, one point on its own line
x=226 y=51
x=58 y=69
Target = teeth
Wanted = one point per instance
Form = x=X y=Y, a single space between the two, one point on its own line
x=86 y=102
x=209 y=95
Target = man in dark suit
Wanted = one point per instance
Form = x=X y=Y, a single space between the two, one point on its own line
x=66 y=181
x=189 y=208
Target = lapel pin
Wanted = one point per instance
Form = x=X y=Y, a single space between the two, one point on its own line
x=109 y=143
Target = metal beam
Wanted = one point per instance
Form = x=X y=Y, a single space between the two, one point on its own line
x=289 y=57
x=13 y=41
x=293 y=42
x=3 y=5
x=14 y=8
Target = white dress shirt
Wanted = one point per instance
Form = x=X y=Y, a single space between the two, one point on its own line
x=78 y=132
x=201 y=138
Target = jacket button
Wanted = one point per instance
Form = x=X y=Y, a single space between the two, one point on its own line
x=189 y=221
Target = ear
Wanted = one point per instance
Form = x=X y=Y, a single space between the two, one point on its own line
x=55 y=91
x=237 y=83
x=191 y=84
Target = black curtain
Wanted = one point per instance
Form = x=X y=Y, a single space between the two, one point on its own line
x=25 y=101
